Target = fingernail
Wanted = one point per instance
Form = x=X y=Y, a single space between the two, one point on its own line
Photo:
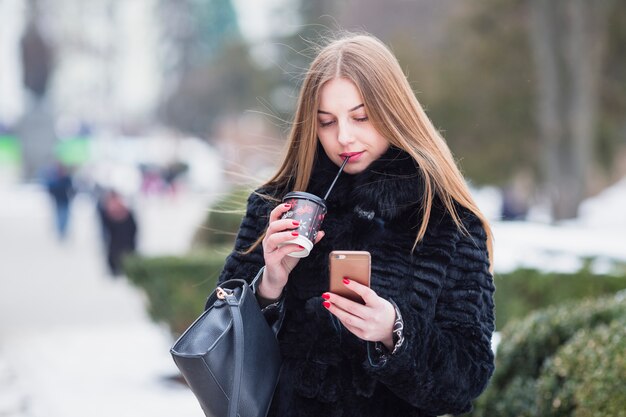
x=287 y=205
x=294 y=233
x=326 y=304
x=326 y=296
x=301 y=247
x=296 y=223
x=346 y=281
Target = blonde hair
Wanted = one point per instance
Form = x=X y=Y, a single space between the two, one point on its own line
x=394 y=112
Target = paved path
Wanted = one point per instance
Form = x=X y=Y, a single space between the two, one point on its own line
x=73 y=341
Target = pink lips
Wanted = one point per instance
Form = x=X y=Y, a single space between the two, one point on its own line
x=354 y=156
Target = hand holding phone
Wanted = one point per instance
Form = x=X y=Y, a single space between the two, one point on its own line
x=355 y=265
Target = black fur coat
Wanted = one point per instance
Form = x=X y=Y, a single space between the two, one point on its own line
x=443 y=289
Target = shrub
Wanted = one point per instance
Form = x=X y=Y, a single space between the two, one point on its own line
x=586 y=378
x=522 y=291
x=176 y=287
x=533 y=349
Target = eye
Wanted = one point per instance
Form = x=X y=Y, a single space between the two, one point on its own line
x=325 y=124
x=361 y=119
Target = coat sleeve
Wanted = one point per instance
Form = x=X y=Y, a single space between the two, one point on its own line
x=446 y=359
x=239 y=264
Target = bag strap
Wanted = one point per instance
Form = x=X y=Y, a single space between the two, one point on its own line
x=275 y=312
x=234 y=305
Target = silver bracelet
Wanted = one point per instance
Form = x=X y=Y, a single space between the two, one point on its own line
x=397 y=336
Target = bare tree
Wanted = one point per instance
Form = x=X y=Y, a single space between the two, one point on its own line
x=568 y=39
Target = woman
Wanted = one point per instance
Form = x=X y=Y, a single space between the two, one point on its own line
x=420 y=346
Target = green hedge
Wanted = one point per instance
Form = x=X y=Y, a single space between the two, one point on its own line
x=176 y=287
x=548 y=363
x=587 y=377
x=522 y=291
x=223 y=220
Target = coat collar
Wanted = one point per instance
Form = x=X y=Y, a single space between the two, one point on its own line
x=388 y=188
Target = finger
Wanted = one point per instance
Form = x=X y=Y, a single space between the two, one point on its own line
x=285 y=250
x=320 y=236
x=367 y=294
x=352 y=322
x=278 y=211
x=272 y=242
x=348 y=305
x=282 y=225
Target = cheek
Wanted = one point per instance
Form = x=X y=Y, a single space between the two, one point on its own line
x=378 y=143
x=328 y=144
x=383 y=145
x=327 y=139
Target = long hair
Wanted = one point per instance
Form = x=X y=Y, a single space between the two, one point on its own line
x=394 y=112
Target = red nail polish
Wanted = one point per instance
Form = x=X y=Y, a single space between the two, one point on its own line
x=346 y=281
x=287 y=205
x=295 y=223
x=294 y=233
x=301 y=247
x=326 y=304
x=325 y=296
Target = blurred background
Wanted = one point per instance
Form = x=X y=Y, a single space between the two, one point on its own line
x=132 y=131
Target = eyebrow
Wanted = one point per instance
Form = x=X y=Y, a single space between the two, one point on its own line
x=349 y=111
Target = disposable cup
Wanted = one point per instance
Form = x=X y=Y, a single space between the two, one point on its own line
x=309 y=210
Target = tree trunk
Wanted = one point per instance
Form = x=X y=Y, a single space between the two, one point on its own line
x=568 y=41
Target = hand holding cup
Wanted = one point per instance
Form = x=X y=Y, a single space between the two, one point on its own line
x=308 y=210
x=278 y=265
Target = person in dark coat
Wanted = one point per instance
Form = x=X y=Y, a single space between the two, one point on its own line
x=421 y=344
x=61 y=189
x=120 y=230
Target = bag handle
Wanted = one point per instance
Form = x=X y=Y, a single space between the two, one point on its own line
x=234 y=305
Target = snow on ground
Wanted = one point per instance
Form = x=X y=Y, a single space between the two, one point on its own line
x=74 y=342
x=599 y=233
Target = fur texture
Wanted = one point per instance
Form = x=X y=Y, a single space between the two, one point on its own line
x=444 y=291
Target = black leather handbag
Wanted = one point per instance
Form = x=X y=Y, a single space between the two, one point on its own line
x=230 y=356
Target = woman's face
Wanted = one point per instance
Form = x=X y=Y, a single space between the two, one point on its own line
x=344 y=129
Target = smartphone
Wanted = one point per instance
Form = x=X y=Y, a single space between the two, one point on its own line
x=355 y=265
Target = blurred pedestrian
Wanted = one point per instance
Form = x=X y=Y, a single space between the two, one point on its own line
x=59 y=184
x=516 y=197
x=100 y=195
x=120 y=230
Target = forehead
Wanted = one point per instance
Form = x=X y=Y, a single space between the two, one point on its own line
x=339 y=94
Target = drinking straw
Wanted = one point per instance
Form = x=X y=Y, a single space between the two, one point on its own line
x=345 y=161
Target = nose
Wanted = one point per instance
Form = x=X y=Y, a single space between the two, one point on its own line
x=345 y=134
